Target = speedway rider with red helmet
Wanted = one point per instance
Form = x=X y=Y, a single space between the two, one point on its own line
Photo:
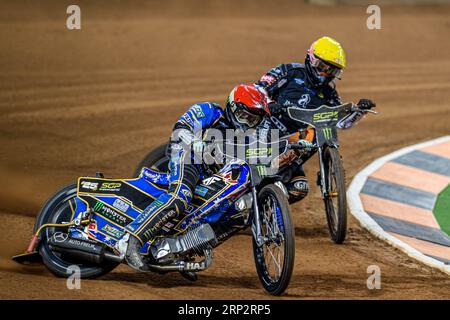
x=246 y=107
x=309 y=85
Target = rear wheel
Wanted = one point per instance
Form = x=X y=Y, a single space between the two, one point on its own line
x=155 y=159
x=274 y=260
x=335 y=199
x=58 y=210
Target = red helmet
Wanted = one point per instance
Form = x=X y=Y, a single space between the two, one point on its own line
x=246 y=107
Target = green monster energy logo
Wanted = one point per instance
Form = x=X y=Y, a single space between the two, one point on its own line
x=327 y=133
x=262 y=170
x=110 y=213
x=98 y=206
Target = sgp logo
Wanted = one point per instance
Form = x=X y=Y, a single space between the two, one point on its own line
x=330 y=115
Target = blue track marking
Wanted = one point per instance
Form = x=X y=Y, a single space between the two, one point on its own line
x=425 y=161
x=399 y=193
x=412 y=230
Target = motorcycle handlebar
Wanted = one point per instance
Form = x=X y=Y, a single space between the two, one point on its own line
x=297 y=146
x=355 y=108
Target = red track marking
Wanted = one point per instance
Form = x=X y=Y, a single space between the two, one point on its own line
x=441 y=149
x=397 y=210
x=425 y=247
x=411 y=177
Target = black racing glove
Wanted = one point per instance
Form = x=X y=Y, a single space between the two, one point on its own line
x=307 y=146
x=366 y=104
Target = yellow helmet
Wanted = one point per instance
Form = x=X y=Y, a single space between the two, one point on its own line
x=329 y=50
x=327 y=57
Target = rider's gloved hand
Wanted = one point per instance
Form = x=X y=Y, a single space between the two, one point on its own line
x=307 y=146
x=366 y=104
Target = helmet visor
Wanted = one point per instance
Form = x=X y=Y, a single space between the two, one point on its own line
x=245 y=117
x=325 y=69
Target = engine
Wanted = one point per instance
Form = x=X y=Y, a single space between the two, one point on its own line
x=194 y=241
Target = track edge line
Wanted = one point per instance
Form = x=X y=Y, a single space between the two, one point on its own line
x=357 y=209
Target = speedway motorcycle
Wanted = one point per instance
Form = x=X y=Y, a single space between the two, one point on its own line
x=331 y=175
x=83 y=223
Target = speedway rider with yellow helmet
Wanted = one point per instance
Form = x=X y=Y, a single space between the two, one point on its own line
x=309 y=85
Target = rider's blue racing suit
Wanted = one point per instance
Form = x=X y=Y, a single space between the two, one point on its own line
x=185 y=170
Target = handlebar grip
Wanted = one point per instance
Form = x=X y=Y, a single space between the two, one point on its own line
x=295 y=147
x=300 y=147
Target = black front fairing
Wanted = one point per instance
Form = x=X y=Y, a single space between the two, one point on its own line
x=324 y=119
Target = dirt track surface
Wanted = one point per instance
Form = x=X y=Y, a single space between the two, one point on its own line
x=73 y=102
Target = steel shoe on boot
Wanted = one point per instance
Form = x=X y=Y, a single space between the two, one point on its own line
x=133 y=256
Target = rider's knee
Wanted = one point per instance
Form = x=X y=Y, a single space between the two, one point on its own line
x=298 y=188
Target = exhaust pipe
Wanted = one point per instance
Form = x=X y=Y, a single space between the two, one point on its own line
x=80 y=249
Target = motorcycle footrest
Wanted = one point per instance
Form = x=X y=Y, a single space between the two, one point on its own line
x=28 y=258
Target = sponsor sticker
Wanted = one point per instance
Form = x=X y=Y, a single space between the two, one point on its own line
x=152 y=175
x=269 y=79
x=186 y=117
x=258 y=152
x=324 y=116
x=201 y=191
x=121 y=205
x=198 y=111
x=153 y=206
x=112 y=231
x=304 y=100
x=110 y=213
x=211 y=180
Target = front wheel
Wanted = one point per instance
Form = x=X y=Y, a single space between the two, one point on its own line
x=335 y=197
x=274 y=260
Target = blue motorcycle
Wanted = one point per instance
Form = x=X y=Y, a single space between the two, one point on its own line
x=83 y=223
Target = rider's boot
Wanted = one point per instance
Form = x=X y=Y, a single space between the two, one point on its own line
x=133 y=255
x=183 y=178
x=297 y=186
x=146 y=226
x=298 y=189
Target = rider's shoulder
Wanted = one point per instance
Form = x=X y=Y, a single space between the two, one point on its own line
x=296 y=65
x=203 y=109
x=286 y=67
x=292 y=65
x=295 y=69
x=205 y=106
